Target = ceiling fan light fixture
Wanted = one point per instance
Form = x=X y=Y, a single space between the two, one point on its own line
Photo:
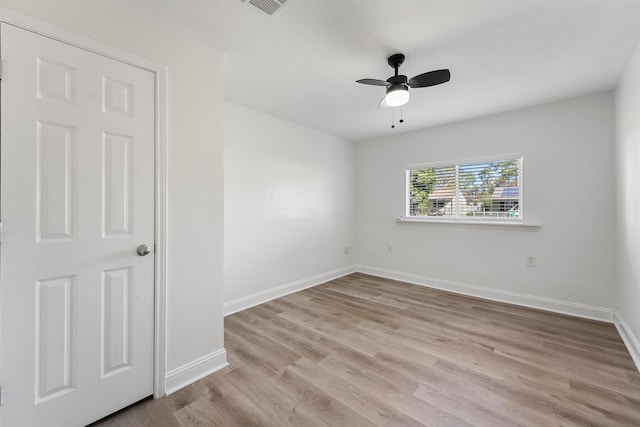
x=397 y=95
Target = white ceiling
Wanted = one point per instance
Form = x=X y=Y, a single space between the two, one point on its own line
x=302 y=63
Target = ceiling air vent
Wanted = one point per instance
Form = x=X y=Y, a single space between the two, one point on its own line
x=268 y=6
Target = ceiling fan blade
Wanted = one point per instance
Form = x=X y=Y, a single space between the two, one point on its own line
x=431 y=78
x=374 y=82
x=383 y=102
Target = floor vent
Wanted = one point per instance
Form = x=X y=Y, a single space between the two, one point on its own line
x=268 y=6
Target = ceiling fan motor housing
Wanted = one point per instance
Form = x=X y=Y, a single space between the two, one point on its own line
x=400 y=79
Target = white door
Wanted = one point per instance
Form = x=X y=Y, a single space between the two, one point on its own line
x=77 y=194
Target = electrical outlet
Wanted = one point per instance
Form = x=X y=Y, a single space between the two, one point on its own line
x=531 y=261
x=347 y=249
x=389 y=248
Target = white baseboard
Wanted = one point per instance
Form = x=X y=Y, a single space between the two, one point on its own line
x=629 y=338
x=195 y=370
x=557 y=306
x=282 y=290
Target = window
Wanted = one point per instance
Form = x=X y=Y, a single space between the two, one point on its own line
x=490 y=190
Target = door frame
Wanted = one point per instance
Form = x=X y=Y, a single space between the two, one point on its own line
x=25 y=22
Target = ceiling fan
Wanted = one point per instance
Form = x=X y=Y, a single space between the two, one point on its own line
x=398 y=85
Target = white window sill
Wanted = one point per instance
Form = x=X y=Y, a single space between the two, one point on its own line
x=494 y=225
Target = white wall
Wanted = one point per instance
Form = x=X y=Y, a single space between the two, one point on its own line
x=628 y=203
x=289 y=206
x=568 y=190
x=195 y=168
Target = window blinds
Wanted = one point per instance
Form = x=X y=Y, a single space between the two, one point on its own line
x=488 y=190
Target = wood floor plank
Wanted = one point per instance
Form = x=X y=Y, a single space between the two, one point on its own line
x=233 y=405
x=476 y=412
x=323 y=406
x=148 y=413
x=199 y=414
x=285 y=334
x=389 y=390
x=368 y=351
x=321 y=324
x=365 y=403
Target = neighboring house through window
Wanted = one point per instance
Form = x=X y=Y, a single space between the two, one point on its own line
x=490 y=190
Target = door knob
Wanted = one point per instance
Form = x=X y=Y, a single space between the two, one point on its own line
x=143 y=249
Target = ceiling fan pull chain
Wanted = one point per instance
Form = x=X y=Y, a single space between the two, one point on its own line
x=401 y=116
x=393 y=119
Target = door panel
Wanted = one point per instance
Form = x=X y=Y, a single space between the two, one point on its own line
x=77 y=189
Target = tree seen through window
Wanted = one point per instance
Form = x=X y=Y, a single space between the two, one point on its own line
x=487 y=189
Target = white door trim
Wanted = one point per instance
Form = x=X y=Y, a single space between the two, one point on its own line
x=160 y=73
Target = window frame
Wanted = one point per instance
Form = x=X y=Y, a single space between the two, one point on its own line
x=457 y=218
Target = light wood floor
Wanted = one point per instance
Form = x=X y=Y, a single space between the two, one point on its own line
x=362 y=351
